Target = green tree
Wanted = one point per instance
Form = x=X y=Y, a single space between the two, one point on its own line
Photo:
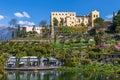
x=23 y=33
x=117 y=29
x=98 y=38
x=3 y=58
x=43 y=23
x=71 y=62
x=98 y=22
x=89 y=23
x=116 y=22
x=55 y=22
x=61 y=21
x=12 y=34
x=45 y=32
x=18 y=31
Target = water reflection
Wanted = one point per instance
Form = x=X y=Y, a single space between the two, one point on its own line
x=55 y=75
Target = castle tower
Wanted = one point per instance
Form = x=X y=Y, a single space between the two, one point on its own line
x=94 y=14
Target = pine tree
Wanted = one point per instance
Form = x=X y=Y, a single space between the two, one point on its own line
x=18 y=31
x=12 y=34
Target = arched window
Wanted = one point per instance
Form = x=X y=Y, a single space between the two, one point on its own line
x=97 y=16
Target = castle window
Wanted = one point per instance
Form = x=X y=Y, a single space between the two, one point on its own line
x=56 y=14
x=94 y=15
x=97 y=16
x=59 y=14
x=79 y=20
x=65 y=19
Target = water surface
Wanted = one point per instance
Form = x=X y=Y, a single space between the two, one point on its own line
x=58 y=75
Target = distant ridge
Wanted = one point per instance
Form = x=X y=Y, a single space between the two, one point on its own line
x=5 y=32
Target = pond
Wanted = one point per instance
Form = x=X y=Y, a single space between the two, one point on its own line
x=58 y=75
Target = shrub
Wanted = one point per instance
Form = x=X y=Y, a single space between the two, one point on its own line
x=116 y=61
x=85 y=61
x=1 y=76
x=67 y=43
x=71 y=62
x=118 y=71
x=95 y=63
x=92 y=55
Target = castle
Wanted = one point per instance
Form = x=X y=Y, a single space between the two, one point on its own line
x=71 y=19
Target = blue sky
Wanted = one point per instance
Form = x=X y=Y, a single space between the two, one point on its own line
x=33 y=11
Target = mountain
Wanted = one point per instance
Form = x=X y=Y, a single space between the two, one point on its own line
x=6 y=32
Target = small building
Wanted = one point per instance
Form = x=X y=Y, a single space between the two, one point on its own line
x=11 y=62
x=34 y=61
x=31 y=61
x=53 y=61
x=43 y=61
x=32 y=28
x=28 y=61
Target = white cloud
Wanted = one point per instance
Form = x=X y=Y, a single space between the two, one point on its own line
x=26 y=14
x=18 y=14
x=26 y=23
x=21 y=15
x=110 y=16
x=1 y=17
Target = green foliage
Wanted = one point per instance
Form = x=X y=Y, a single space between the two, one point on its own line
x=116 y=22
x=70 y=30
x=116 y=19
x=23 y=33
x=2 y=64
x=61 y=21
x=43 y=23
x=18 y=31
x=58 y=45
x=45 y=32
x=117 y=29
x=92 y=55
x=93 y=68
x=116 y=61
x=55 y=38
x=85 y=61
x=71 y=62
x=55 y=22
x=98 y=22
x=65 y=29
x=31 y=33
x=12 y=34
x=118 y=71
x=21 y=54
x=98 y=38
